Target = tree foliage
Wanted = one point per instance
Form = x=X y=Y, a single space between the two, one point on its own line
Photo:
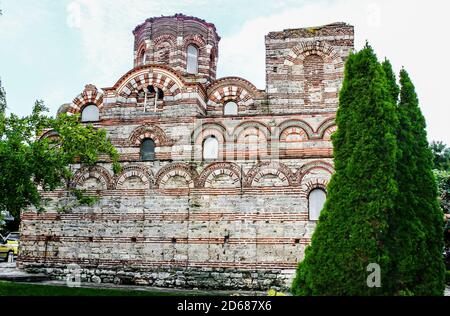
x=441 y=155
x=381 y=206
x=352 y=228
x=31 y=163
x=416 y=235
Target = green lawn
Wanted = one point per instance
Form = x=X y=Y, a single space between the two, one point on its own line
x=23 y=289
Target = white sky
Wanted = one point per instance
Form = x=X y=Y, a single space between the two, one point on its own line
x=61 y=46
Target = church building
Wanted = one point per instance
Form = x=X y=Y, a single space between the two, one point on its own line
x=222 y=182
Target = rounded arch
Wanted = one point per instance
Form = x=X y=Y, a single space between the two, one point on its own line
x=203 y=131
x=234 y=89
x=261 y=170
x=140 y=52
x=96 y=172
x=308 y=186
x=160 y=76
x=90 y=95
x=242 y=127
x=325 y=125
x=214 y=170
x=149 y=131
x=51 y=134
x=175 y=170
x=134 y=171
x=298 y=53
x=168 y=38
x=309 y=167
x=196 y=40
x=284 y=127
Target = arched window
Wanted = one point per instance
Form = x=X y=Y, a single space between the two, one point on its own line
x=148 y=150
x=230 y=108
x=316 y=200
x=211 y=148
x=192 y=59
x=90 y=113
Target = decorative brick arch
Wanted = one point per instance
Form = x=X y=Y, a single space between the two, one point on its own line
x=140 y=52
x=130 y=171
x=327 y=126
x=203 y=131
x=162 y=45
x=298 y=53
x=262 y=169
x=51 y=134
x=301 y=126
x=195 y=39
x=219 y=168
x=243 y=127
x=90 y=95
x=328 y=132
x=96 y=172
x=307 y=187
x=169 y=38
x=308 y=167
x=233 y=89
x=160 y=76
x=173 y=170
x=149 y=131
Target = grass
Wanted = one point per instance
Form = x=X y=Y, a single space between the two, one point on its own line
x=8 y=288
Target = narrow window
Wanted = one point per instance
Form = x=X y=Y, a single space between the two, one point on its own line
x=148 y=150
x=142 y=58
x=316 y=200
x=192 y=59
x=231 y=108
x=90 y=113
x=211 y=148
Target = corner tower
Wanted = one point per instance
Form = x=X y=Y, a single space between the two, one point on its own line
x=305 y=67
x=187 y=44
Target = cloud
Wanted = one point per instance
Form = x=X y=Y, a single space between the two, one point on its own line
x=106 y=32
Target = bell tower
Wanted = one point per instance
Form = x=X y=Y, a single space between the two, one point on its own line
x=186 y=44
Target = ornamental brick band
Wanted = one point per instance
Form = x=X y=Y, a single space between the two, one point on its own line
x=233 y=216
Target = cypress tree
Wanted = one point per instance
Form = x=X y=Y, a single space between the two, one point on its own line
x=353 y=225
x=416 y=238
x=391 y=81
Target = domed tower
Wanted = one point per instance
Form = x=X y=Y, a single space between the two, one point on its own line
x=185 y=43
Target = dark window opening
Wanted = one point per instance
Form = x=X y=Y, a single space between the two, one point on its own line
x=148 y=150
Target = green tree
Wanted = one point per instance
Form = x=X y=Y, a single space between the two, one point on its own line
x=392 y=85
x=353 y=225
x=416 y=226
x=30 y=163
x=441 y=155
x=443 y=183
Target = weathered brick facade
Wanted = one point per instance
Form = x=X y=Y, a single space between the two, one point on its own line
x=238 y=221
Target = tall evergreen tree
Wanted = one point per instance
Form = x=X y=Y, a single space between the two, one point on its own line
x=416 y=234
x=391 y=80
x=352 y=229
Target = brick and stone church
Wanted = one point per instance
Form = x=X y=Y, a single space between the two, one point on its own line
x=221 y=182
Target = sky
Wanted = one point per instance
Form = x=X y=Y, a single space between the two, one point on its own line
x=51 y=49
